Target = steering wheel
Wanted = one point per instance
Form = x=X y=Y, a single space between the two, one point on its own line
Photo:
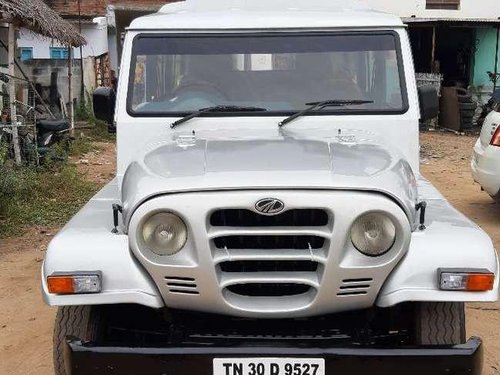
x=203 y=86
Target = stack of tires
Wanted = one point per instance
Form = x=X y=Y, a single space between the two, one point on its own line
x=467 y=109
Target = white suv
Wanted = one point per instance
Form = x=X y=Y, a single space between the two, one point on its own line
x=486 y=158
x=268 y=216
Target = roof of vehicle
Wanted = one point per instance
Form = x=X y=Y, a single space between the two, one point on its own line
x=265 y=14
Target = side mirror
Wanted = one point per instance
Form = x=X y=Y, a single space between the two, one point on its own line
x=104 y=101
x=429 y=102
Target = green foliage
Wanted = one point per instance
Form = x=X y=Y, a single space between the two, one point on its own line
x=47 y=195
x=40 y=196
x=85 y=112
x=4 y=153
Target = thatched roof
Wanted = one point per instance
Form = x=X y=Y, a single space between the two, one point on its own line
x=36 y=16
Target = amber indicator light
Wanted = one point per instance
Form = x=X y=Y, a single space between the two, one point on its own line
x=60 y=284
x=480 y=282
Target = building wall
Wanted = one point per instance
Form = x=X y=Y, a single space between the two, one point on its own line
x=50 y=77
x=139 y=4
x=486 y=38
x=96 y=35
x=93 y=8
x=485 y=9
x=88 y=8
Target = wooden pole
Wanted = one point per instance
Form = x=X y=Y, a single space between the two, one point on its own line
x=70 y=90
x=433 y=54
x=82 y=90
x=12 y=93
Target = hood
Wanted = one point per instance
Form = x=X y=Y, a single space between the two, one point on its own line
x=190 y=163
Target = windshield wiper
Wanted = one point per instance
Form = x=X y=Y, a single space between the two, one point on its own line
x=319 y=105
x=215 y=109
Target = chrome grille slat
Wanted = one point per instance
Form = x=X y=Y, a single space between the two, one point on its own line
x=308 y=278
x=302 y=242
x=269 y=231
x=226 y=255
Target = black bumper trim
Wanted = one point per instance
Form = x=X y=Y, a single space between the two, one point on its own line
x=456 y=360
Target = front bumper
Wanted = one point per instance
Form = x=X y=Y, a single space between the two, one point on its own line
x=457 y=360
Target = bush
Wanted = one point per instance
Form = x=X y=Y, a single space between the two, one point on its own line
x=47 y=195
x=40 y=196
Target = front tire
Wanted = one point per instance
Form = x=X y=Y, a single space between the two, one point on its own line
x=440 y=323
x=82 y=322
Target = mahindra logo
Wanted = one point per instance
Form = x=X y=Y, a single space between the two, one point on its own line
x=269 y=206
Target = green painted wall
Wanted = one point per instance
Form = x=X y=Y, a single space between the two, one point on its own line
x=484 y=60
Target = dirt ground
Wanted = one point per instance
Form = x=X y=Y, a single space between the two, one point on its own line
x=26 y=323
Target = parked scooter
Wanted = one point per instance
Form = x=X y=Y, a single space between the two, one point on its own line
x=51 y=133
x=488 y=107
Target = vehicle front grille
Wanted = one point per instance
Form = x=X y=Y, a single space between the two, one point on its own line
x=259 y=256
x=247 y=218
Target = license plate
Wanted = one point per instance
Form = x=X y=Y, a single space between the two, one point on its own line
x=269 y=366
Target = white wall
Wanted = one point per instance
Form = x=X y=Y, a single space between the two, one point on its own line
x=484 y=9
x=96 y=35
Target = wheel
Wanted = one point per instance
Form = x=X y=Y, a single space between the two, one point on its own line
x=463 y=95
x=468 y=106
x=83 y=322
x=439 y=323
x=467 y=113
x=465 y=99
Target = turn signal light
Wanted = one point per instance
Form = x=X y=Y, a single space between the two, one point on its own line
x=495 y=140
x=472 y=281
x=74 y=284
x=480 y=282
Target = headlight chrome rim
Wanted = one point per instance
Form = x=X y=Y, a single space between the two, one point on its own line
x=383 y=234
x=163 y=233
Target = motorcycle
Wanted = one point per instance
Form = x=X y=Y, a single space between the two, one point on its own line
x=488 y=107
x=51 y=133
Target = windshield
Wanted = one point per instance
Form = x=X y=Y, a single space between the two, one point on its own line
x=177 y=74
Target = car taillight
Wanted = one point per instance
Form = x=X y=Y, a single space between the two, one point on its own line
x=495 y=140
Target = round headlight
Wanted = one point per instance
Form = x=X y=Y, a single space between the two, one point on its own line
x=373 y=234
x=164 y=233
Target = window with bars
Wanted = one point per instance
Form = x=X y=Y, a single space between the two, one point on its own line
x=57 y=53
x=26 y=53
x=443 y=4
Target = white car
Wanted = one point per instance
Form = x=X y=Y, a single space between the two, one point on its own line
x=486 y=158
